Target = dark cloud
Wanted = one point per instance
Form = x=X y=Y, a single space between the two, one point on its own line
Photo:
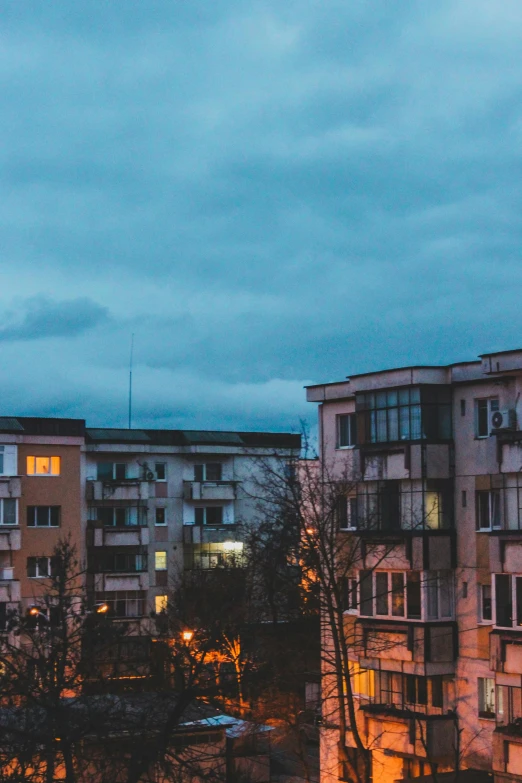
x=39 y=318
x=265 y=193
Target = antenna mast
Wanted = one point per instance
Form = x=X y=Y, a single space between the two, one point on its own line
x=130 y=380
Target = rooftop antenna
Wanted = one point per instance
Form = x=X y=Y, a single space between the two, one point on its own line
x=130 y=380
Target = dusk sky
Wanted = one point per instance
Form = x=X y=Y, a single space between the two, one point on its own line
x=268 y=194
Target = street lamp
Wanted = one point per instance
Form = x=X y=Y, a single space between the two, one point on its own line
x=187 y=636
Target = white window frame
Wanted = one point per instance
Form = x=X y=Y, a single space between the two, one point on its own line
x=38 y=575
x=2 y=513
x=493 y=404
x=160 y=552
x=113 y=477
x=488 y=691
x=424 y=576
x=351 y=417
x=8 y=459
x=490 y=493
x=516 y=622
x=205 y=465
x=48 y=473
x=43 y=527
x=481 y=619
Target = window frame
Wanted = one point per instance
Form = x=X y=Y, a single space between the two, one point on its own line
x=490 y=493
x=37 y=559
x=484 y=698
x=204 y=522
x=54 y=461
x=160 y=524
x=481 y=603
x=350 y=430
x=514 y=606
x=413 y=582
x=202 y=469
x=2 y=513
x=35 y=517
x=492 y=404
x=164 y=465
x=160 y=567
x=115 y=471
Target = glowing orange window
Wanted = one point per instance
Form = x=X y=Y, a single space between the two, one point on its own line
x=43 y=466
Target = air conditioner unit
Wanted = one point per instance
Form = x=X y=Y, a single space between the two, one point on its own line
x=502 y=420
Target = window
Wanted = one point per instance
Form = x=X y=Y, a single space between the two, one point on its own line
x=488 y=510
x=415 y=689
x=486 y=697
x=160 y=469
x=349 y=594
x=160 y=603
x=463 y=407
x=160 y=561
x=121 y=516
x=413 y=595
x=43 y=516
x=508 y=600
x=483 y=410
x=406 y=413
x=160 y=517
x=38 y=567
x=210 y=471
x=43 y=466
x=437 y=691
x=8 y=511
x=464 y=498
x=8 y=460
x=111 y=471
x=347 y=512
x=346 y=431
x=123 y=603
x=440 y=594
x=485 y=604
x=119 y=562
x=208 y=515
x=363 y=681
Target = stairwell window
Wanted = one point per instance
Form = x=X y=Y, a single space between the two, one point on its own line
x=486 y=697
x=483 y=410
x=488 y=510
x=346 y=431
x=43 y=466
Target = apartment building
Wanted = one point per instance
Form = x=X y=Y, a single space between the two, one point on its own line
x=41 y=500
x=434 y=602
x=139 y=506
x=163 y=501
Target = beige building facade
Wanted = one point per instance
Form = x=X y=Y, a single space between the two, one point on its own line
x=431 y=464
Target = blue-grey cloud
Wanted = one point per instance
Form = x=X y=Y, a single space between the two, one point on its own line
x=39 y=318
x=265 y=193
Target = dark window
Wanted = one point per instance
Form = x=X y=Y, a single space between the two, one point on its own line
x=463 y=407
x=160 y=516
x=416 y=689
x=464 y=499
x=213 y=471
x=488 y=510
x=199 y=473
x=366 y=593
x=411 y=696
x=110 y=471
x=407 y=413
x=160 y=469
x=120 y=471
x=381 y=593
x=3 y=616
x=518 y=588
x=342 y=512
x=464 y=589
x=437 y=691
x=397 y=595
x=413 y=595
x=422 y=690
x=503 y=601
x=346 y=430
x=43 y=516
x=389 y=498
x=214 y=515
x=486 y=607
x=38 y=566
x=483 y=410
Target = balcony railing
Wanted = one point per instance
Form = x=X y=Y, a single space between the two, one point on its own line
x=210 y=490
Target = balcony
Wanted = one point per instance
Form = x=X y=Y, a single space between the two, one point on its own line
x=507 y=753
x=209 y=490
x=423 y=648
x=426 y=736
x=9 y=586
x=109 y=582
x=200 y=534
x=10 y=487
x=10 y=539
x=119 y=489
x=129 y=536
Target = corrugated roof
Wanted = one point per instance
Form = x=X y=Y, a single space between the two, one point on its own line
x=10 y=424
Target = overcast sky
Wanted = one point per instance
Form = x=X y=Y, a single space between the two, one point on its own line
x=267 y=193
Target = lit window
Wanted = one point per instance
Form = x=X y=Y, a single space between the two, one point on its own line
x=160 y=561
x=160 y=603
x=43 y=466
x=8 y=511
x=363 y=681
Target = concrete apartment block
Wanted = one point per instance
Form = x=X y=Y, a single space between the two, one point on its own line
x=434 y=458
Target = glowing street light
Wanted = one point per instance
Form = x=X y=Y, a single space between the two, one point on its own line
x=187 y=636
x=102 y=608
